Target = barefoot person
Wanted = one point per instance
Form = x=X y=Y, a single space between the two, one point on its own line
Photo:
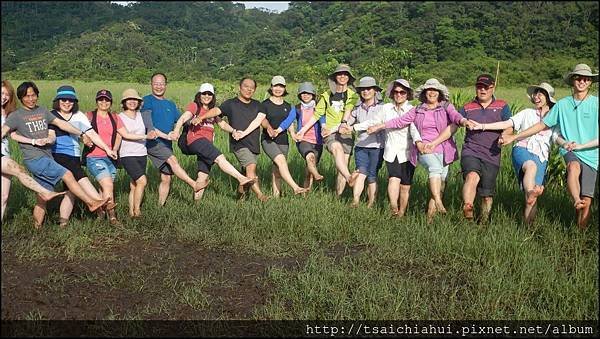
x=339 y=100
x=200 y=138
x=310 y=146
x=368 y=151
x=530 y=155
x=245 y=115
x=274 y=138
x=9 y=167
x=577 y=118
x=31 y=121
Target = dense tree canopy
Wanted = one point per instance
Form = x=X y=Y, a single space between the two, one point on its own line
x=533 y=41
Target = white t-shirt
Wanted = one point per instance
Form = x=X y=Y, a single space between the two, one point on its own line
x=133 y=148
x=538 y=144
x=5 y=148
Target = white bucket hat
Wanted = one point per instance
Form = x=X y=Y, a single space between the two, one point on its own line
x=580 y=69
x=366 y=82
x=402 y=82
x=435 y=84
x=544 y=86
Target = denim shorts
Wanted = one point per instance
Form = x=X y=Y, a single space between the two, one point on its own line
x=45 y=171
x=101 y=167
x=520 y=155
x=368 y=161
x=434 y=164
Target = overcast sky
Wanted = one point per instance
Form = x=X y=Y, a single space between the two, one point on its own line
x=277 y=6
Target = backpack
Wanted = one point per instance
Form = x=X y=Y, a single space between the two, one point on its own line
x=113 y=138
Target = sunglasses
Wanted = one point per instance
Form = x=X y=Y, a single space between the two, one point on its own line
x=401 y=92
x=582 y=78
x=207 y=93
x=67 y=100
x=104 y=100
x=483 y=87
x=367 y=89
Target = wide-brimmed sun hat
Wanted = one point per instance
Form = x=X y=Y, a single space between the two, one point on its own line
x=544 y=86
x=306 y=87
x=435 y=84
x=66 y=92
x=130 y=93
x=340 y=68
x=402 y=82
x=366 y=82
x=580 y=69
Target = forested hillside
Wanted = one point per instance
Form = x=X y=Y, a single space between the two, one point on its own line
x=533 y=41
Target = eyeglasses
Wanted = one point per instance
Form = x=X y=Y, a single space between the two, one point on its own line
x=159 y=83
x=401 y=92
x=367 y=89
x=478 y=87
x=67 y=100
x=207 y=93
x=582 y=78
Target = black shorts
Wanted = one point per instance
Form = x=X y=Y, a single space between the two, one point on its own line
x=403 y=171
x=134 y=166
x=487 y=174
x=306 y=147
x=206 y=153
x=71 y=163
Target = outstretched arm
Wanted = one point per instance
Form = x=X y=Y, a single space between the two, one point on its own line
x=253 y=125
x=508 y=139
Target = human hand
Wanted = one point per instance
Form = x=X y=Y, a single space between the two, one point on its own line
x=570 y=146
x=174 y=135
x=473 y=125
x=345 y=129
x=428 y=148
x=272 y=132
x=41 y=142
x=373 y=129
x=325 y=132
x=196 y=121
x=506 y=139
x=298 y=136
x=151 y=135
x=87 y=140
x=112 y=154
x=237 y=135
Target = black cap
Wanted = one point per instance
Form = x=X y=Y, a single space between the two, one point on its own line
x=104 y=93
x=485 y=79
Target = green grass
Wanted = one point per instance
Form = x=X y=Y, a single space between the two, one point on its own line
x=352 y=263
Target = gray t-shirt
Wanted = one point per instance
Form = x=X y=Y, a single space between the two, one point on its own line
x=31 y=124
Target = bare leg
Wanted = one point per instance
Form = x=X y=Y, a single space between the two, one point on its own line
x=468 y=192
x=39 y=212
x=163 y=188
x=202 y=177
x=107 y=190
x=584 y=215
x=131 y=197
x=394 y=194
x=311 y=165
x=529 y=170
x=10 y=167
x=5 y=193
x=308 y=179
x=228 y=168
x=573 y=173
x=435 y=189
x=404 y=195
x=371 y=194
x=182 y=174
x=486 y=208
x=68 y=202
x=78 y=191
x=251 y=173
x=276 y=181
x=140 y=185
x=284 y=173
x=357 y=189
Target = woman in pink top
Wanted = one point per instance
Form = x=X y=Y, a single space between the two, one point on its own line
x=431 y=118
x=200 y=137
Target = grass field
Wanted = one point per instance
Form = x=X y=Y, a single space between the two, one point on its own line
x=298 y=258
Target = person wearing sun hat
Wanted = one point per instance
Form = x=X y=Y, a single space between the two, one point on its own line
x=433 y=117
x=199 y=138
x=334 y=104
x=576 y=116
x=530 y=155
x=368 y=151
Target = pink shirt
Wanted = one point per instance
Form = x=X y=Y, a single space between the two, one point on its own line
x=429 y=130
x=105 y=131
x=310 y=135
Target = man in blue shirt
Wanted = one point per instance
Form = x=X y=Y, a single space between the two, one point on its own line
x=164 y=115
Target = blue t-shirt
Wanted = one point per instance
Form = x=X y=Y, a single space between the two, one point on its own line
x=67 y=143
x=578 y=121
x=164 y=116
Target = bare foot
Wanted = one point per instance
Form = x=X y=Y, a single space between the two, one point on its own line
x=354 y=204
x=300 y=190
x=318 y=178
x=353 y=178
x=370 y=204
x=440 y=207
x=468 y=211
x=51 y=195
x=247 y=183
x=395 y=212
x=263 y=198
x=97 y=204
x=201 y=185
x=533 y=194
x=63 y=223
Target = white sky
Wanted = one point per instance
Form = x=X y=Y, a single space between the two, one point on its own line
x=277 y=6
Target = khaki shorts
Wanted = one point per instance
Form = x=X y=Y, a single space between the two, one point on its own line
x=346 y=140
x=245 y=156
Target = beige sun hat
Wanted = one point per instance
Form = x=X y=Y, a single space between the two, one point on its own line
x=402 y=82
x=580 y=69
x=366 y=82
x=435 y=84
x=544 y=86
x=130 y=93
x=340 y=68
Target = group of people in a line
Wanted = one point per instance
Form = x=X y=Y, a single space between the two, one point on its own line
x=346 y=118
